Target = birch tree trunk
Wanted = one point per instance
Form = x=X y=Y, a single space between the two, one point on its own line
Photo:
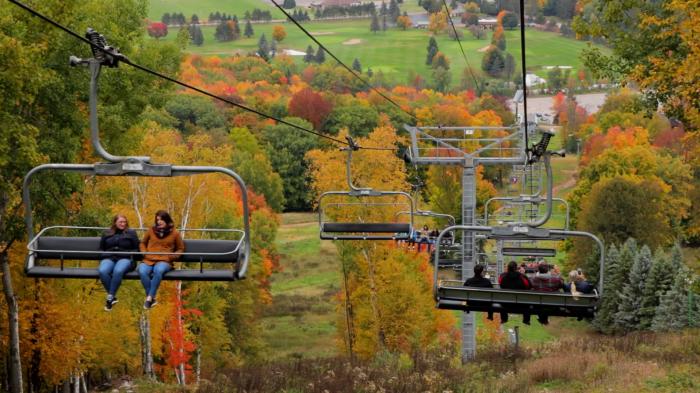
x=348 y=314
x=15 y=366
x=198 y=365
x=180 y=368
x=83 y=384
x=373 y=300
x=146 y=352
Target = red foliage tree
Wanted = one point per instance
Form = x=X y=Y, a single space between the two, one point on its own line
x=310 y=106
x=157 y=30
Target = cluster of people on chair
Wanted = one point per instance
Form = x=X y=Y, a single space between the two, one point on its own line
x=161 y=244
x=543 y=280
x=418 y=237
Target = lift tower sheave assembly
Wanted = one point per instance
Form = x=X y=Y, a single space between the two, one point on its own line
x=468 y=147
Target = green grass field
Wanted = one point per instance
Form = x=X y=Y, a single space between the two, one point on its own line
x=202 y=8
x=302 y=318
x=396 y=52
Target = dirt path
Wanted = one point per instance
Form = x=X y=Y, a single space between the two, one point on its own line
x=570 y=182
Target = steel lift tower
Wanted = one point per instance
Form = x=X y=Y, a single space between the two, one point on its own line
x=468 y=147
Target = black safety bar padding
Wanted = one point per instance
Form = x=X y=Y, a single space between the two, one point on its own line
x=555 y=311
x=533 y=252
x=88 y=273
x=65 y=247
x=342 y=227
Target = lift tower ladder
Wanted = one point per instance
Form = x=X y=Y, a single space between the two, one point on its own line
x=467 y=147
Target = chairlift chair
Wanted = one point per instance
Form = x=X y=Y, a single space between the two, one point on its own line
x=453 y=295
x=46 y=245
x=363 y=201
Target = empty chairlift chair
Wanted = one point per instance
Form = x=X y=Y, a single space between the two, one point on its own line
x=357 y=214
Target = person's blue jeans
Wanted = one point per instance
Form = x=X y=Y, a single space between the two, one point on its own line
x=111 y=273
x=151 y=276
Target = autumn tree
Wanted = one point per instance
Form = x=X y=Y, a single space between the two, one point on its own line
x=499 y=38
x=404 y=22
x=278 y=33
x=45 y=122
x=311 y=106
x=157 y=30
x=377 y=274
x=438 y=22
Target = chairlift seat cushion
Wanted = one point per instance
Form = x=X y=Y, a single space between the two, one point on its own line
x=87 y=273
x=63 y=247
x=341 y=227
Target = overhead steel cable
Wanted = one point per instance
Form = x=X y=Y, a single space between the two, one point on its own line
x=461 y=48
x=120 y=57
x=350 y=70
x=523 y=70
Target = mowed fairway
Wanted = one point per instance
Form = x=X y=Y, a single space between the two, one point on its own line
x=202 y=8
x=301 y=319
x=396 y=52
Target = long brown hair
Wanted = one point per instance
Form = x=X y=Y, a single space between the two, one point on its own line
x=165 y=217
x=113 y=228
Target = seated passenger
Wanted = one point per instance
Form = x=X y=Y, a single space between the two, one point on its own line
x=479 y=281
x=545 y=281
x=513 y=279
x=118 y=238
x=424 y=238
x=165 y=241
x=578 y=283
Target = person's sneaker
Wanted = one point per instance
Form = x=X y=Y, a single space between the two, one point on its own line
x=149 y=304
x=110 y=302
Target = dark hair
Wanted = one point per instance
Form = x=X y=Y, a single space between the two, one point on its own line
x=165 y=217
x=113 y=228
x=512 y=266
x=478 y=269
x=543 y=268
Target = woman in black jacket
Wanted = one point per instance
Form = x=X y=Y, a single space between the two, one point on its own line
x=113 y=266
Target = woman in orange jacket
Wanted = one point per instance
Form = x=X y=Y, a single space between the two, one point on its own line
x=161 y=238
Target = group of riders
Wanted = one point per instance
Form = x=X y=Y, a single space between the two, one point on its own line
x=161 y=246
x=546 y=278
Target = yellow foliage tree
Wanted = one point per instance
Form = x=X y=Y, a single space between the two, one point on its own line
x=386 y=300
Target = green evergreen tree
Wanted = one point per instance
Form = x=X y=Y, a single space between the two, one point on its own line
x=660 y=280
x=356 y=66
x=628 y=316
x=248 y=31
x=432 y=51
x=196 y=36
x=374 y=25
x=320 y=57
x=263 y=48
x=493 y=62
x=673 y=312
x=194 y=19
x=384 y=24
x=394 y=11
x=309 y=57
x=604 y=319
